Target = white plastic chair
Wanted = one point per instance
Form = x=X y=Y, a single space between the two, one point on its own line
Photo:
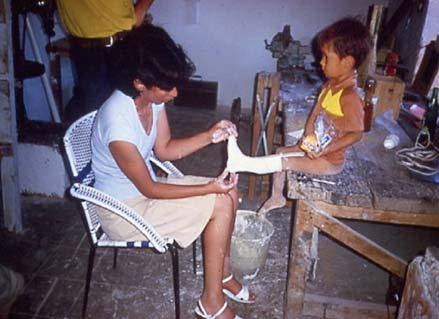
x=77 y=143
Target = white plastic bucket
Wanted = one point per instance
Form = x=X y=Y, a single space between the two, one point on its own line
x=250 y=241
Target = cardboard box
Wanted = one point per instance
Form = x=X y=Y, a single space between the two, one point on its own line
x=389 y=90
x=197 y=93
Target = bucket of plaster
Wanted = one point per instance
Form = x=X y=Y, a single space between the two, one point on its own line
x=250 y=240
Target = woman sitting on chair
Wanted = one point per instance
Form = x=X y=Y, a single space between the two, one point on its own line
x=129 y=126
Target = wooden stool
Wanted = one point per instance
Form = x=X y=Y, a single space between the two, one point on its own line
x=390 y=91
x=265 y=104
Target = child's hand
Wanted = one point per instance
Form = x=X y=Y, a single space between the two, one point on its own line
x=225 y=182
x=222 y=130
x=313 y=155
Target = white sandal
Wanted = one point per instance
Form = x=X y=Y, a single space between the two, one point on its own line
x=242 y=296
x=200 y=311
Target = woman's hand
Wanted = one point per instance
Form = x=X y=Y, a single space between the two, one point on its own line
x=224 y=183
x=222 y=130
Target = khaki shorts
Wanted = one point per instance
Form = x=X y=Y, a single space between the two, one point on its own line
x=182 y=219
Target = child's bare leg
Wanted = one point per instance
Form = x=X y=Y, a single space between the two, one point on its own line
x=239 y=162
x=276 y=199
x=299 y=164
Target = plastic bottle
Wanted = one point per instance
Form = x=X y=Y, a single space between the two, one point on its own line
x=369 y=90
x=430 y=119
x=391 y=141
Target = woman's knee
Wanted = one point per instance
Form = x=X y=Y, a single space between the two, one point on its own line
x=224 y=206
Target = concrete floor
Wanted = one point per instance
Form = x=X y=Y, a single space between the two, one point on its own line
x=52 y=254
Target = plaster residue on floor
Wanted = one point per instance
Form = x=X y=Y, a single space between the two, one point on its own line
x=52 y=254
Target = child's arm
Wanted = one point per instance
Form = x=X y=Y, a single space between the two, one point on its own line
x=309 y=126
x=347 y=140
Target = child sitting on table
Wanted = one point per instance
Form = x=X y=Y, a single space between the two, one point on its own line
x=335 y=123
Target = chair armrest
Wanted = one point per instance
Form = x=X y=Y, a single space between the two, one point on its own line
x=166 y=166
x=101 y=199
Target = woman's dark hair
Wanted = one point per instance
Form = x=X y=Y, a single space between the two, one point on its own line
x=348 y=36
x=149 y=54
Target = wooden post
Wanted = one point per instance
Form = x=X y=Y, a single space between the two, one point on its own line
x=300 y=263
x=8 y=128
x=420 y=298
x=267 y=88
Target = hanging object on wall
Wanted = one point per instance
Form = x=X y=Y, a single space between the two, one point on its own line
x=193 y=11
x=288 y=52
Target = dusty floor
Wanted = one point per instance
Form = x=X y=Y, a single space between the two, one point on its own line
x=52 y=255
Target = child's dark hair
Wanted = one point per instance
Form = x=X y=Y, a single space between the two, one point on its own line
x=149 y=54
x=348 y=36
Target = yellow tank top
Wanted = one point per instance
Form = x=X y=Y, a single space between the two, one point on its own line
x=331 y=102
x=96 y=18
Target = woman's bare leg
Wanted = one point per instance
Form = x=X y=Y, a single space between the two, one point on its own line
x=216 y=242
x=232 y=285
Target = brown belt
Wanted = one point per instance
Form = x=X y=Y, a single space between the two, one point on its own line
x=99 y=42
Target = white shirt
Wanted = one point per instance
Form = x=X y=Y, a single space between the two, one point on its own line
x=117 y=120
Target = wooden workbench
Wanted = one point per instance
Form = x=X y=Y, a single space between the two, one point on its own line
x=371 y=187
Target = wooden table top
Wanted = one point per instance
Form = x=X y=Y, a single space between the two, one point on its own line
x=371 y=177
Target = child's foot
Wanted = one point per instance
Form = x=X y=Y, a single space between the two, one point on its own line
x=234 y=155
x=272 y=203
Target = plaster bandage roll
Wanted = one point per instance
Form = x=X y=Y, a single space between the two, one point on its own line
x=238 y=162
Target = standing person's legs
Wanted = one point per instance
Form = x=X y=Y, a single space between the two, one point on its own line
x=92 y=81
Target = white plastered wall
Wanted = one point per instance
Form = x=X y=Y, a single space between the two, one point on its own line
x=225 y=38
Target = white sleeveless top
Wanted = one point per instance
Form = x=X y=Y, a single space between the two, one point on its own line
x=117 y=120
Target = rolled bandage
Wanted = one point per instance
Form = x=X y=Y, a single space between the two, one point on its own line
x=217 y=136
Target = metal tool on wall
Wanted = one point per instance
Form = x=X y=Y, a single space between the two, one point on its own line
x=264 y=117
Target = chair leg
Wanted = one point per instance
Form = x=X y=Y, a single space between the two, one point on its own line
x=91 y=257
x=194 y=256
x=115 y=258
x=176 y=276
x=197 y=259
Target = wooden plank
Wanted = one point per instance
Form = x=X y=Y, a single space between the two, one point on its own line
x=5 y=150
x=299 y=265
x=427 y=70
x=10 y=187
x=382 y=216
x=10 y=194
x=336 y=308
x=358 y=242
